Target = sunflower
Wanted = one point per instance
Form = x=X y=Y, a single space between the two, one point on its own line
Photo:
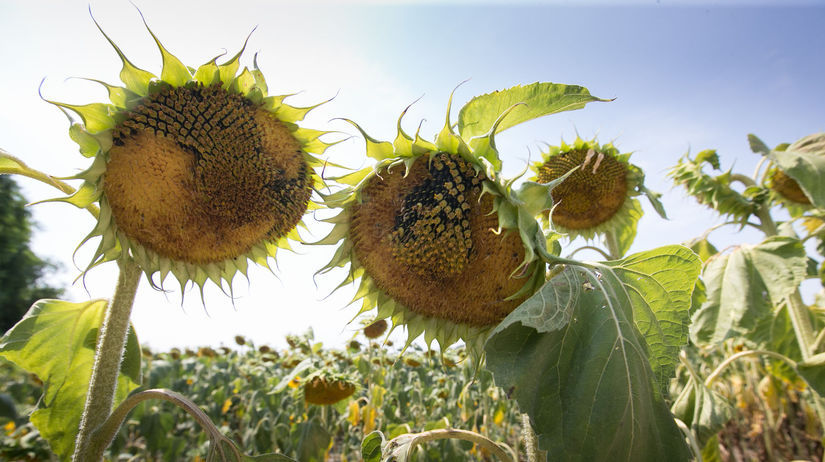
x=441 y=245
x=324 y=388
x=597 y=196
x=195 y=172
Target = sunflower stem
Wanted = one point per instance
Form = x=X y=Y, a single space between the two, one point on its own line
x=108 y=356
x=531 y=441
x=612 y=244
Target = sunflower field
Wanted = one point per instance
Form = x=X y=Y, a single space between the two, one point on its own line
x=530 y=351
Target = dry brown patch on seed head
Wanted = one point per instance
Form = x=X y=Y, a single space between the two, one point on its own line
x=375 y=329
x=428 y=241
x=788 y=187
x=200 y=175
x=327 y=391
x=589 y=196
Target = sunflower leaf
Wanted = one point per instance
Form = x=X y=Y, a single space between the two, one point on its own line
x=744 y=285
x=804 y=161
x=588 y=386
x=540 y=98
x=658 y=284
x=56 y=341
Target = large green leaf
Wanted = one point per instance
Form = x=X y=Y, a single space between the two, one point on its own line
x=804 y=161
x=743 y=287
x=541 y=98
x=813 y=371
x=659 y=284
x=588 y=387
x=56 y=341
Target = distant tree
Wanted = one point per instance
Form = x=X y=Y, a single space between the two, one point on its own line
x=21 y=271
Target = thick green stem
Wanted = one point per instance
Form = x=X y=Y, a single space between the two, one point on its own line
x=531 y=441
x=612 y=245
x=111 y=342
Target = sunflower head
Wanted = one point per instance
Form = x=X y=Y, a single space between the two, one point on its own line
x=437 y=240
x=196 y=171
x=324 y=388
x=375 y=329
x=597 y=194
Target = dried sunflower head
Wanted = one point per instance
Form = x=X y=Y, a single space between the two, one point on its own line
x=197 y=171
x=597 y=196
x=439 y=242
x=325 y=387
x=375 y=329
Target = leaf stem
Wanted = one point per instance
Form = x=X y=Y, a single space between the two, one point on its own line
x=107 y=431
x=694 y=444
x=454 y=433
x=531 y=443
x=612 y=245
x=590 y=247
x=108 y=356
x=718 y=371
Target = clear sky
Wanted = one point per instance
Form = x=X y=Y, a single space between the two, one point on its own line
x=685 y=75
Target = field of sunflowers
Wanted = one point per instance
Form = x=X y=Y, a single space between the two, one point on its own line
x=259 y=398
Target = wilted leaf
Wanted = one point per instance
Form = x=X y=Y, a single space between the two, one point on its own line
x=744 y=285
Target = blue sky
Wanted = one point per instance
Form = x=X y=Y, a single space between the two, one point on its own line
x=684 y=77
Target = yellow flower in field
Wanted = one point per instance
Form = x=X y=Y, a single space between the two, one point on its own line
x=295 y=382
x=196 y=171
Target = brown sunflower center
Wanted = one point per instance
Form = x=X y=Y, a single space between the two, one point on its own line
x=432 y=233
x=788 y=187
x=323 y=391
x=428 y=241
x=589 y=196
x=199 y=174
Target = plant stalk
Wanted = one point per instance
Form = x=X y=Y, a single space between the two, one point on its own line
x=612 y=244
x=111 y=343
x=453 y=433
x=531 y=441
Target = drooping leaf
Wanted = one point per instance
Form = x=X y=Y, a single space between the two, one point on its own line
x=56 y=341
x=813 y=371
x=588 y=386
x=659 y=284
x=744 y=285
x=704 y=410
x=804 y=161
x=757 y=145
x=540 y=99
x=313 y=441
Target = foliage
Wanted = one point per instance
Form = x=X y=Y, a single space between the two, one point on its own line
x=21 y=271
x=619 y=359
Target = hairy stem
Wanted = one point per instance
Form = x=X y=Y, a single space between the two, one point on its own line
x=111 y=342
x=531 y=441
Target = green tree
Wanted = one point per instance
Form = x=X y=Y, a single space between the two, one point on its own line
x=21 y=271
